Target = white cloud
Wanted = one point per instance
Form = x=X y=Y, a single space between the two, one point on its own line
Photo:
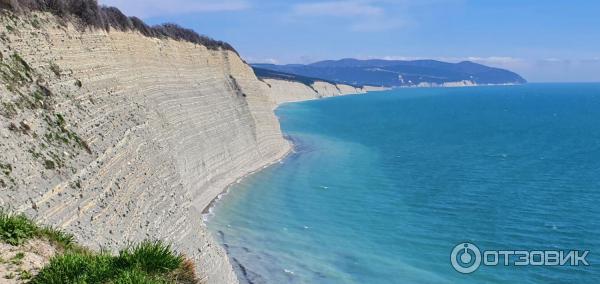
x=355 y=15
x=261 y=60
x=151 y=8
x=338 y=9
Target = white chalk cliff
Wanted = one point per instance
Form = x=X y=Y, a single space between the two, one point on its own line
x=283 y=91
x=117 y=137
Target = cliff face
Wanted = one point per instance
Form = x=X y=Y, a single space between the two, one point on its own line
x=283 y=91
x=117 y=137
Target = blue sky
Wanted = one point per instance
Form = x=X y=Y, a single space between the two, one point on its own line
x=544 y=41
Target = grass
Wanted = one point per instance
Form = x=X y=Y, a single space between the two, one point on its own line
x=58 y=132
x=151 y=262
x=147 y=262
x=16 y=229
x=15 y=72
x=25 y=275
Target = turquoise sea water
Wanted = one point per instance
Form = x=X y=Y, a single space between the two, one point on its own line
x=382 y=186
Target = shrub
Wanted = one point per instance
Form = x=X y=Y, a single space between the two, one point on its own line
x=88 y=11
x=116 y=19
x=49 y=164
x=141 y=27
x=57 y=7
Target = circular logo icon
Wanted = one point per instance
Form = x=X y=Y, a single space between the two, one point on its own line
x=465 y=258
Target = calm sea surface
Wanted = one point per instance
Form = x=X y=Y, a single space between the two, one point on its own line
x=383 y=186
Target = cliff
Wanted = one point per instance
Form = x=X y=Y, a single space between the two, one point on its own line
x=283 y=91
x=117 y=137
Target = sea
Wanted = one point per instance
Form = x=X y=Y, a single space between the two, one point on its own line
x=382 y=187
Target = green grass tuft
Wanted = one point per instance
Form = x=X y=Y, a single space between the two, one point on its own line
x=25 y=275
x=16 y=229
x=151 y=262
x=78 y=267
x=151 y=257
x=137 y=277
x=148 y=262
x=59 y=238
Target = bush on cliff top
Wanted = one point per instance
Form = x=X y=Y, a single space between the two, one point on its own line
x=90 y=14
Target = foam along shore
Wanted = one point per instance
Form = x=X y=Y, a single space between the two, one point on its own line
x=116 y=137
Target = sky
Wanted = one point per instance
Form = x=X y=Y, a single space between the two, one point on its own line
x=544 y=41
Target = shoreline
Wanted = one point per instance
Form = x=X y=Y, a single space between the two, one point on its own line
x=206 y=211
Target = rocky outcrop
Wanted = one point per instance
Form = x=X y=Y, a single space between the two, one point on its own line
x=281 y=91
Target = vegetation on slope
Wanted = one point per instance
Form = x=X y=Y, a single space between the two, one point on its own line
x=90 y=14
x=262 y=73
x=28 y=91
x=148 y=262
x=271 y=74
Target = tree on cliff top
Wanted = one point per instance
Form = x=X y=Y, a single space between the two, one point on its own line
x=91 y=15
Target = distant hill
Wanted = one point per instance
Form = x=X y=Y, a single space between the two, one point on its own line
x=394 y=73
x=272 y=74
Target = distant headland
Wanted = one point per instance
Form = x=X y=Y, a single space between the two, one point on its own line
x=397 y=73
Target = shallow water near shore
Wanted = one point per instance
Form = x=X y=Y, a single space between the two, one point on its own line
x=382 y=186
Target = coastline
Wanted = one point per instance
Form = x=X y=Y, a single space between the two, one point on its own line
x=206 y=211
x=150 y=166
x=261 y=222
